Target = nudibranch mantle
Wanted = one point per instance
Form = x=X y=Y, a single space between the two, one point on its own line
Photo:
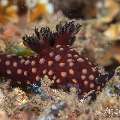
x=55 y=58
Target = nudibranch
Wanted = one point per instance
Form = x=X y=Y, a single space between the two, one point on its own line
x=55 y=58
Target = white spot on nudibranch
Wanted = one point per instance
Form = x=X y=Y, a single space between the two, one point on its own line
x=14 y=64
x=80 y=60
x=84 y=71
x=76 y=56
x=25 y=73
x=58 y=81
x=83 y=77
x=22 y=60
x=61 y=49
x=7 y=63
x=34 y=70
x=71 y=71
x=54 y=77
x=27 y=62
x=8 y=72
x=91 y=77
x=37 y=78
x=44 y=71
x=63 y=74
x=69 y=55
x=50 y=72
x=85 y=82
x=69 y=60
x=33 y=63
x=71 y=64
x=19 y=71
x=51 y=54
x=57 y=46
x=61 y=64
x=57 y=57
x=91 y=85
x=42 y=60
x=71 y=49
x=50 y=63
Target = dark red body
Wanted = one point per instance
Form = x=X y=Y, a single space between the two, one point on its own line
x=63 y=65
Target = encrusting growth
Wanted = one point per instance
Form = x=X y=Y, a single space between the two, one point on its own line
x=55 y=58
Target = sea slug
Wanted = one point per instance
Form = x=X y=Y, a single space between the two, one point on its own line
x=56 y=58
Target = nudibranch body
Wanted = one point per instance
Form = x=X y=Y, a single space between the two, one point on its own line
x=56 y=58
